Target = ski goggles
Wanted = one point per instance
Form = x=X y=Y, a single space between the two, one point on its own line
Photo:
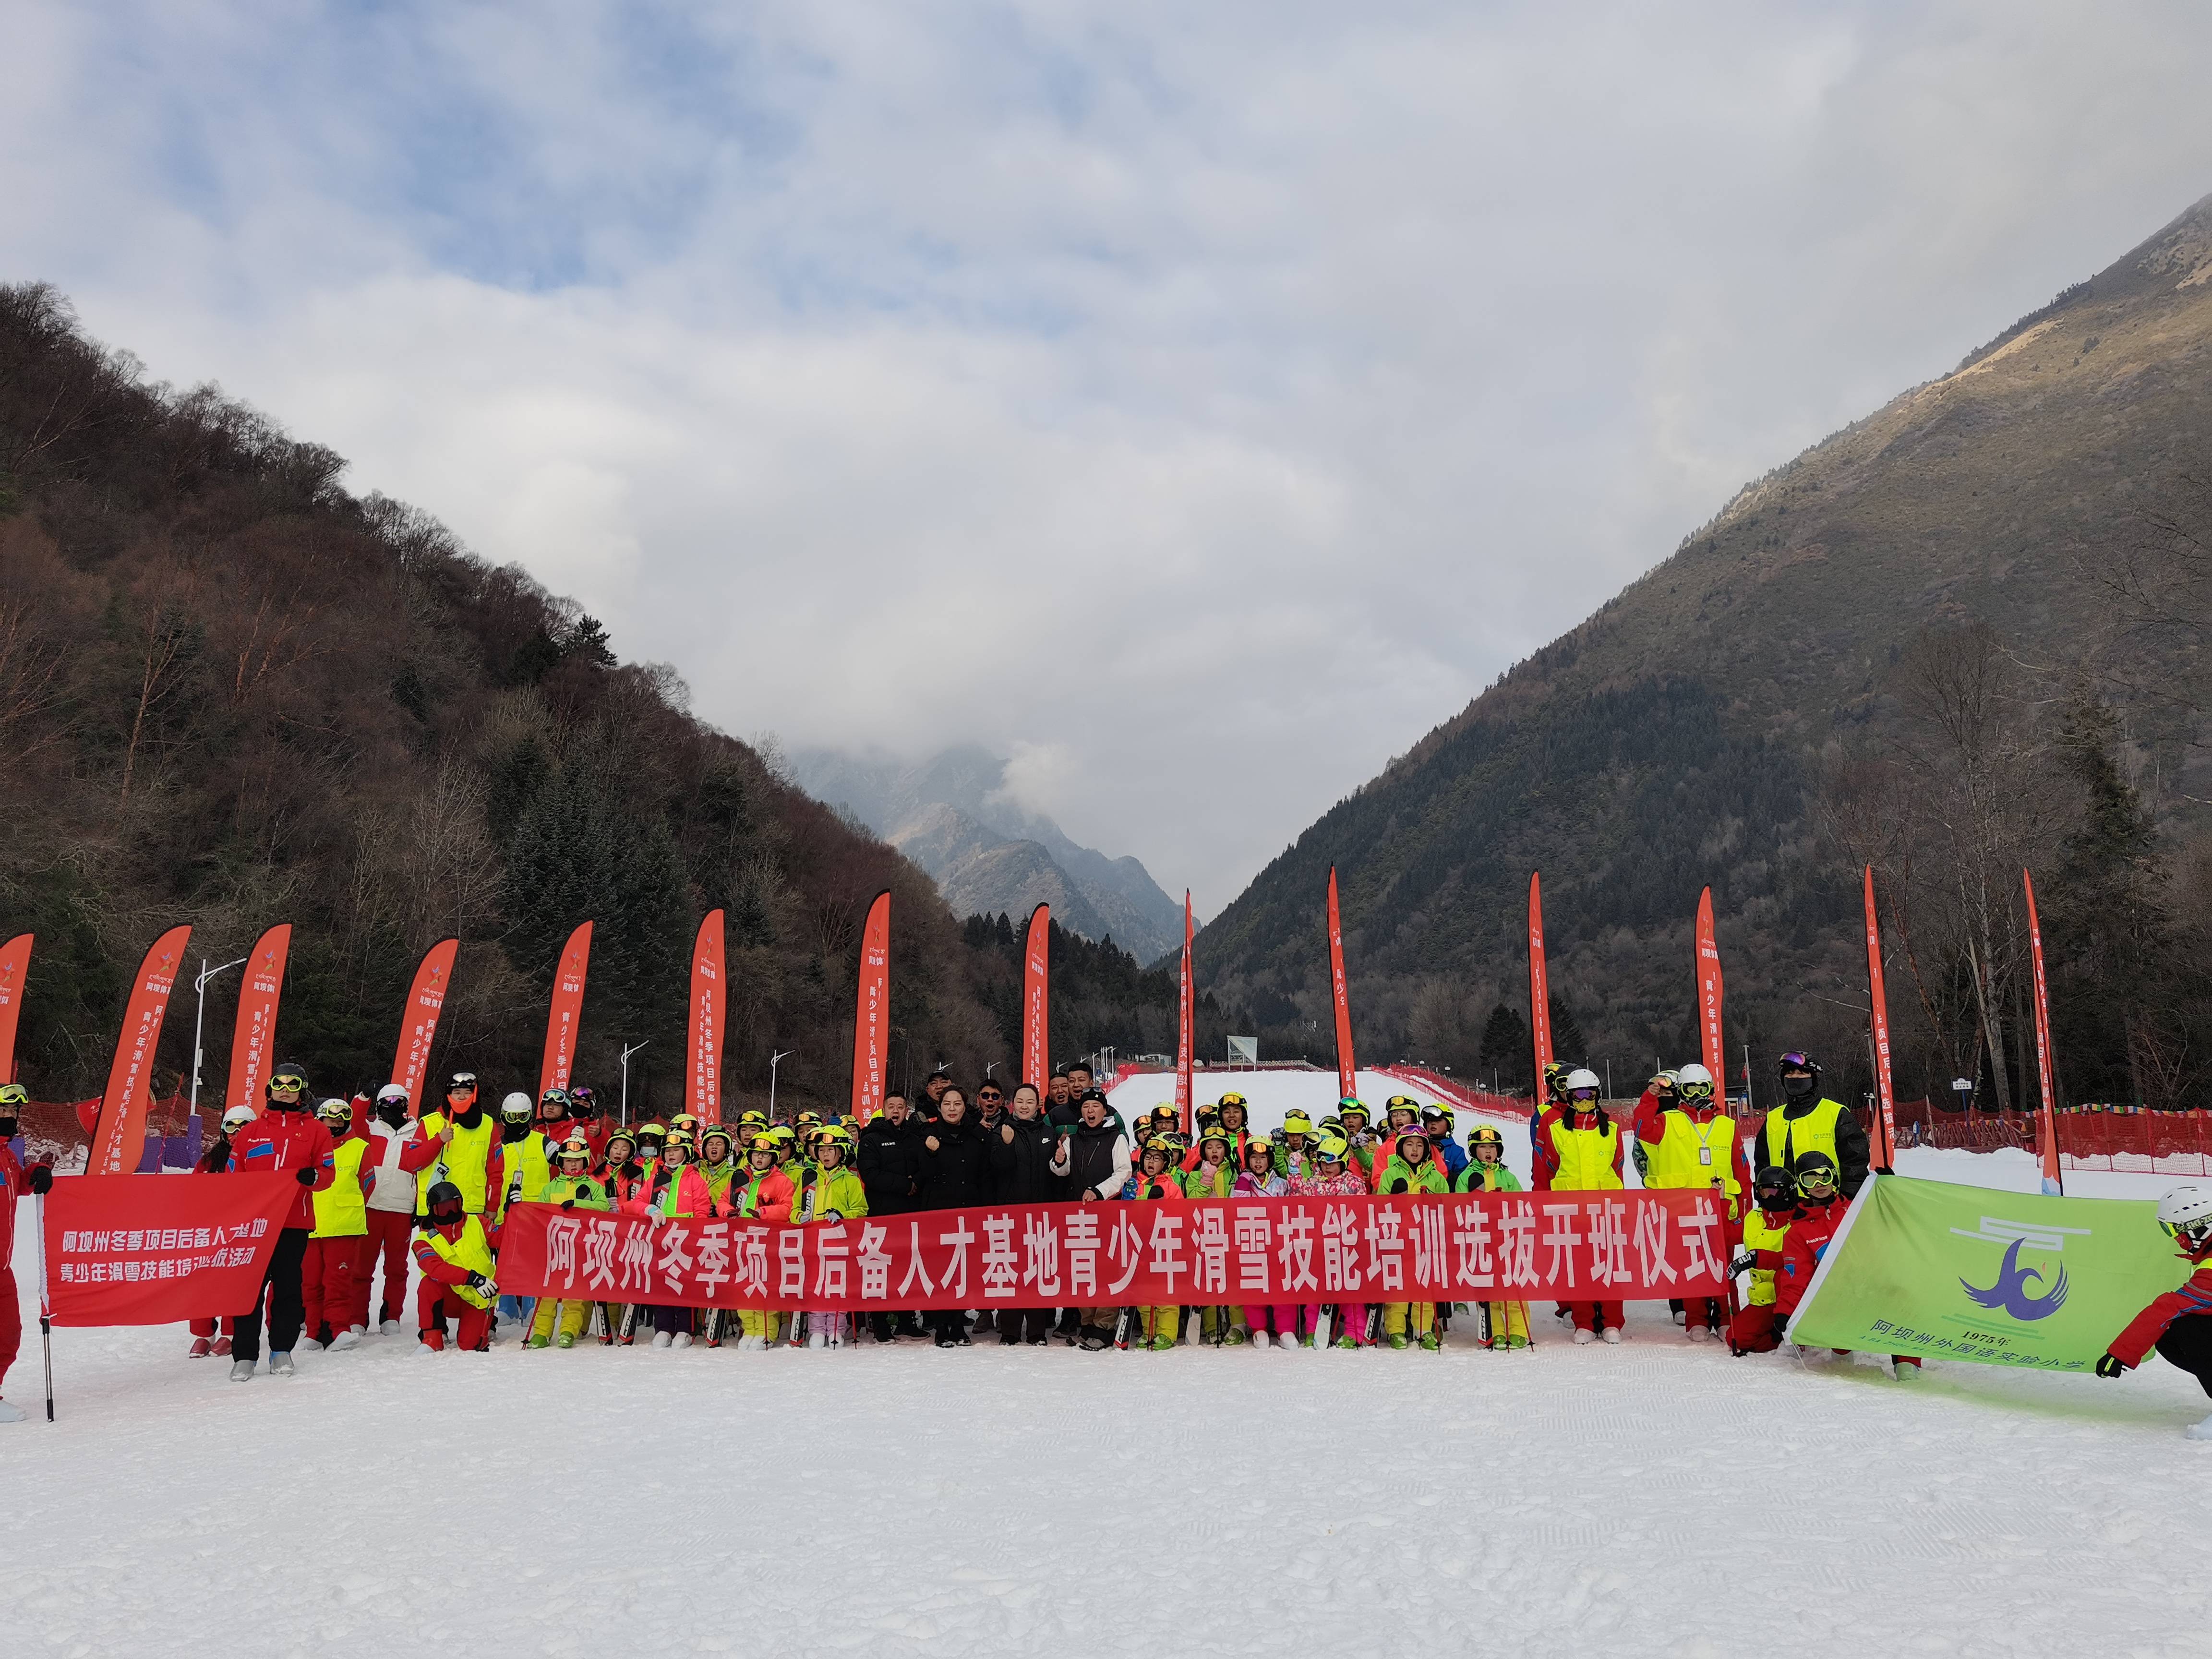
x=13 y=1094
x=287 y=1082
x=2187 y=1232
x=1816 y=1181
x=1694 y=1090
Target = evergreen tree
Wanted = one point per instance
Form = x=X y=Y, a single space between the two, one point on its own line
x=1506 y=1053
x=1569 y=1046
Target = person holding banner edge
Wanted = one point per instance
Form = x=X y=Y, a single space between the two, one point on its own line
x=15 y=1181
x=283 y=1137
x=2179 y=1323
x=1580 y=1148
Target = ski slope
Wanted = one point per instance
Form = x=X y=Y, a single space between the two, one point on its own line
x=1654 y=1498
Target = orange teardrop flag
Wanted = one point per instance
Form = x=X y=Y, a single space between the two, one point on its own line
x=2053 y=1182
x=255 y=1033
x=14 y=966
x=119 y=1137
x=1037 y=999
x=872 y=1012
x=1183 y=1043
x=1345 y=1070
x=703 y=1093
x=418 y=1029
x=1539 y=988
x=565 y=1012
x=1708 y=995
x=1885 y=1128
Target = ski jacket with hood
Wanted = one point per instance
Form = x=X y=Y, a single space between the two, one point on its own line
x=1022 y=1168
x=1578 y=1152
x=286 y=1140
x=1810 y=1233
x=957 y=1173
x=2191 y=1299
x=890 y=1163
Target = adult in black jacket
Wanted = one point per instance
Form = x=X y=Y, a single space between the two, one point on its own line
x=956 y=1174
x=1024 y=1149
x=890 y=1167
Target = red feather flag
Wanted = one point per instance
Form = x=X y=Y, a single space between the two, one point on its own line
x=1184 y=1041
x=1539 y=988
x=1036 y=998
x=566 y=1012
x=872 y=1011
x=410 y=1062
x=1345 y=1070
x=2053 y=1182
x=1884 y=1150
x=15 y=967
x=703 y=1094
x=119 y=1137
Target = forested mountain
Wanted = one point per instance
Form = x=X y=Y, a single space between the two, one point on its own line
x=232 y=694
x=1962 y=635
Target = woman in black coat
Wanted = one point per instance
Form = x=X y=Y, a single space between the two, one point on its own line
x=956 y=1174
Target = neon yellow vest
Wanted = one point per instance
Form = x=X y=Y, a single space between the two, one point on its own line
x=1689 y=1154
x=467 y=1158
x=471 y=1252
x=1781 y=1141
x=525 y=1164
x=341 y=1210
x=1585 y=1157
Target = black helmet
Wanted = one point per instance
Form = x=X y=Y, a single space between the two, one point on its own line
x=443 y=1204
x=1798 y=1061
x=1775 y=1188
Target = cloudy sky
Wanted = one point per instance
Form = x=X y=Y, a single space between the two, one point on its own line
x=1197 y=402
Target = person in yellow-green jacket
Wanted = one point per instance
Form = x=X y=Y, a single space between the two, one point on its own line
x=572 y=1188
x=523 y=1169
x=765 y=1194
x=1688 y=1143
x=838 y=1197
x=1579 y=1150
x=1504 y=1324
x=336 y=1245
x=1156 y=1181
x=1215 y=1177
x=1411 y=1168
x=1765 y=1231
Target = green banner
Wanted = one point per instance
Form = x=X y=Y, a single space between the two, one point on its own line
x=1944 y=1271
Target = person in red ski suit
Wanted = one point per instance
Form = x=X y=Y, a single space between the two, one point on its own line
x=283 y=1138
x=1820 y=1212
x=2178 y=1324
x=453 y=1251
x=15 y=1181
x=1580 y=1148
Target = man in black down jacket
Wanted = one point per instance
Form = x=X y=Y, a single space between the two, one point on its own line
x=956 y=1174
x=1097 y=1163
x=1023 y=1151
x=890 y=1165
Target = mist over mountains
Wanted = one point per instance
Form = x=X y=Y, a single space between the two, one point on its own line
x=953 y=815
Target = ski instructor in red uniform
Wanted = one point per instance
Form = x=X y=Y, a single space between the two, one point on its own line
x=15 y=1181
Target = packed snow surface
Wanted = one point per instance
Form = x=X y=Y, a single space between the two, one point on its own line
x=1654 y=1498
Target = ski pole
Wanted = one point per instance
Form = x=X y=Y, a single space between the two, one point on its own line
x=46 y=1308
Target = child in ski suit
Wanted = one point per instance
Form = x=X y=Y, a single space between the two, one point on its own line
x=1260 y=1181
x=2178 y=1324
x=1765 y=1231
x=338 y=1239
x=453 y=1253
x=1821 y=1211
x=765 y=1196
x=1215 y=1177
x=1411 y=1168
x=838 y=1197
x=679 y=1193
x=1158 y=1327
x=1579 y=1149
x=1505 y=1324
x=573 y=1188
x=623 y=1181
x=1333 y=1177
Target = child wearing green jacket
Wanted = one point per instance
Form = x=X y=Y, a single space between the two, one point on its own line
x=573 y=1188
x=1505 y=1324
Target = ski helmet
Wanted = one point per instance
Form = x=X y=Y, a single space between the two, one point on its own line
x=583 y=1100
x=1775 y=1188
x=575 y=1149
x=654 y=1133
x=335 y=1110
x=678 y=1142
x=1583 y=1077
x=716 y=1132
x=1215 y=1135
x=558 y=1099
x=2186 y=1214
x=1816 y=1175
x=1353 y=1106
x=1331 y=1149
x=1433 y=1113
x=1665 y=1082
x=1411 y=1131
x=288 y=1081
x=1693 y=1082
x=13 y=1094
x=236 y=1119
x=1486 y=1134
x=392 y=1091
x=1798 y=1061
x=443 y=1204
x=1298 y=1123
x=1232 y=1098
x=461 y=1083
x=515 y=1108
x=1265 y=1148
x=628 y=1139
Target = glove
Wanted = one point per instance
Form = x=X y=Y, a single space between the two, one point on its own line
x=1742 y=1264
x=1400 y=1185
x=568 y=1203
x=2110 y=1365
x=42 y=1179
x=480 y=1285
x=307 y=1177
x=829 y=1215
x=514 y=1193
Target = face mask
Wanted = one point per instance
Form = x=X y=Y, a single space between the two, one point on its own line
x=471 y=1119
x=393 y=1114
x=8 y=1128
x=1798 y=1087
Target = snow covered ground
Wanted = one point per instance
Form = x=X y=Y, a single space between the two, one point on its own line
x=1654 y=1498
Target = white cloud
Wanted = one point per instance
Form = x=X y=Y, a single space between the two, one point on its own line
x=1175 y=399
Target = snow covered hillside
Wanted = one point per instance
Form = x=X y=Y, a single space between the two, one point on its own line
x=1653 y=1498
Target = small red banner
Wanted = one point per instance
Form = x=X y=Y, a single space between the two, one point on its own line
x=124 y=1250
x=1036 y=998
x=1430 y=1248
x=566 y=1012
x=15 y=964
x=1347 y=1071
x=256 y=1031
x=1709 y=1033
x=1183 y=1025
x=703 y=1092
x=1539 y=990
x=426 y=998
x=119 y=1136
x=872 y=1012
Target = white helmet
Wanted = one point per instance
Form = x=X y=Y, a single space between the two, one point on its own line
x=2186 y=1212
x=517 y=1108
x=1691 y=1073
x=392 y=1091
x=1582 y=1077
x=239 y=1116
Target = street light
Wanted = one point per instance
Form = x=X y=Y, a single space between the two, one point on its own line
x=774 y=1061
x=199 y=1018
x=626 y=1054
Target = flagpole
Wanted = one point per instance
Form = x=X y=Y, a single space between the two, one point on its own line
x=46 y=1306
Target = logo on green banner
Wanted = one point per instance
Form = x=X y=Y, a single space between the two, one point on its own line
x=1944 y=1271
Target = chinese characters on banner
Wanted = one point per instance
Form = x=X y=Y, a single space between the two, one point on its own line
x=1608 y=1245
x=124 y=1250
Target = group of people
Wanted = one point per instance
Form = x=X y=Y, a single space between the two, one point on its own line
x=383 y=1190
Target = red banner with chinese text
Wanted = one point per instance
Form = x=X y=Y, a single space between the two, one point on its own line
x=1713 y=1044
x=15 y=967
x=1539 y=990
x=1884 y=1116
x=1037 y=999
x=119 y=1136
x=565 y=1012
x=124 y=1251
x=256 y=1029
x=1605 y=1245
x=1347 y=1071
x=426 y=998
x=872 y=1012
x=702 y=1092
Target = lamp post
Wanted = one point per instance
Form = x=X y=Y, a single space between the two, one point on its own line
x=199 y=1019
x=626 y=1054
x=774 y=1061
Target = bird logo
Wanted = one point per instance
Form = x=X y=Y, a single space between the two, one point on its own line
x=2025 y=1293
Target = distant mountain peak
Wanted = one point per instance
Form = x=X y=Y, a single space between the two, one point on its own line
x=954 y=816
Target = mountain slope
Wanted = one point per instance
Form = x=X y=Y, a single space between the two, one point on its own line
x=952 y=815
x=1671 y=740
